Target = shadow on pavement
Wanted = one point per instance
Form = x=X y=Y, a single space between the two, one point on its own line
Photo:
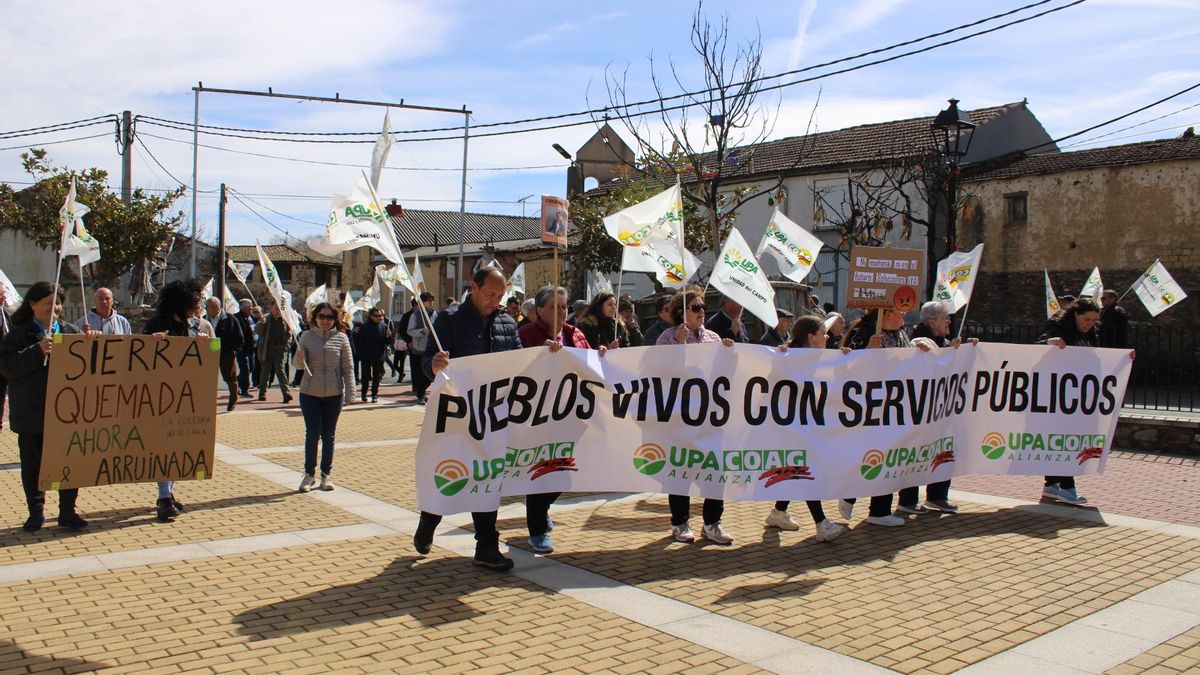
x=16 y=659
x=427 y=589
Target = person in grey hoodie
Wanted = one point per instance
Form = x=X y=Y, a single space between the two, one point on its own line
x=323 y=353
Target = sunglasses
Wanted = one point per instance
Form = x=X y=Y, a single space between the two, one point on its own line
x=325 y=317
x=697 y=308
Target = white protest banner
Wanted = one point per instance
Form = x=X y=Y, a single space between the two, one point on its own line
x=1093 y=287
x=1052 y=306
x=383 y=146
x=647 y=222
x=275 y=286
x=12 y=299
x=751 y=423
x=355 y=221
x=1157 y=289
x=739 y=277
x=791 y=246
x=516 y=283
x=956 y=277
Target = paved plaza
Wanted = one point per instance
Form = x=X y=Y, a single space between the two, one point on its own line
x=254 y=577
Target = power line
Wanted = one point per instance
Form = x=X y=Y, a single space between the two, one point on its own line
x=61 y=126
x=299 y=220
x=40 y=144
x=160 y=164
x=607 y=109
x=1139 y=124
x=263 y=218
x=1118 y=118
x=356 y=166
x=1137 y=135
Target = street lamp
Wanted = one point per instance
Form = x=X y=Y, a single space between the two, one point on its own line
x=952 y=133
x=574 y=175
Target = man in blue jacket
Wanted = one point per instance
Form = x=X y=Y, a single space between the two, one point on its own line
x=476 y=326
x=370 y=345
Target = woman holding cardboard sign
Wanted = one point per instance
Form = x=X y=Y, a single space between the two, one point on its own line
x=178 y=305
x=24 y=357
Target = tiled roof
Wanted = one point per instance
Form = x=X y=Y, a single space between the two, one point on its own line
x=1117 y=155
x=279 y=253
x=853 y=146
x=417 y=228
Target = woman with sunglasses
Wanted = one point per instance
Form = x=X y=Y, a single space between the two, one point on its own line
x=687 y=315
x=323 y=353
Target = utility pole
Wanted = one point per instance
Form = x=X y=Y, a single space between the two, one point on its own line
x=220 y=285
x=126 y=157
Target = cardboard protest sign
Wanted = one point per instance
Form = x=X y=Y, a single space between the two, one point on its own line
x=885 y=278
x=554 y=221
x=129 y=409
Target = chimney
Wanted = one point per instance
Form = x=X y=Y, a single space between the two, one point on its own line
x=394 y=210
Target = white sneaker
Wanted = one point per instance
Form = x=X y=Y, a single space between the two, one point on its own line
x=326 y=483
x=845 y=508
x=682 y=533
x=306 y=483
x=716 y=535
x=827 y=530
x=1071 y=496
x=886 y=521
x=944 y=506
x=782 y=520
x=915 y=509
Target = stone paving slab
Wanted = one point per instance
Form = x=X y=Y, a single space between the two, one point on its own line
x=347 y=607
x=1180 y=654
x=286 y=427
x=232 y=504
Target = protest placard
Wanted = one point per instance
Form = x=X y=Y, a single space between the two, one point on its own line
x=555 y=216
x=129 y=409
x=885 y=278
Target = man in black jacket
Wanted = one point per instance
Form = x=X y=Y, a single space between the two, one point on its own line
x=246 y=362
x=371 y=347
x=728 y=322
x=230 y=330
x=458 y=328
x=773 y=337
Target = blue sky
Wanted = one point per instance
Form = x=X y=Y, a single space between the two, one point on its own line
x=513 y=60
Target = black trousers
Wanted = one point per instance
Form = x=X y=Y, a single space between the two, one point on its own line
x=398 y=360
x=537 y=510
x=880 y=505
x=814 y=508
x=229 y=373
x=934 y=492
x=372 y=375
x=487 y=537
x=420 y=384
x=681 y=507
x=3 y=396
x=30 y=447
x=1065 y=482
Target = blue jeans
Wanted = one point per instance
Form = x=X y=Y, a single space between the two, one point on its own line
x=320 y=421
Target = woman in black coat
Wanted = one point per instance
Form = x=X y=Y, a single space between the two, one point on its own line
x=24 y=355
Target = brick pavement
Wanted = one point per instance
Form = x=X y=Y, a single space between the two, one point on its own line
x=933 y=596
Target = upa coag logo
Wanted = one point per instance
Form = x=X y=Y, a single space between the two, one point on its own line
x=994 y=445
x=649 y=458
x=450 y=477
x=872 y=464
x=1029 y=446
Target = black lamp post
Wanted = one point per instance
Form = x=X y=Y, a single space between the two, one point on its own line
x=952 y=133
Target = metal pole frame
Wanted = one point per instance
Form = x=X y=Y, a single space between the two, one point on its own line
x=270 y=93
x=462 y=204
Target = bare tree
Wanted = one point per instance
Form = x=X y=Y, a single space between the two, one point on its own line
x=734 y=123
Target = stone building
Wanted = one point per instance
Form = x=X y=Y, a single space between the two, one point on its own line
x=1117 y=208
x=300 y=271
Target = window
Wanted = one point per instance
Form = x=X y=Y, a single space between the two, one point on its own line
x=285 y=272
x=1016 y=205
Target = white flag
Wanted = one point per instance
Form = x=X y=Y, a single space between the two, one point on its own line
x=663 y=261
x=516 y=283
x=240 y=270
x=206 y=292
x=383 y=275
x=1052 y=306
x=12 y=299
x=231 y=303
x=956 y=277
x=1158 y=290
x=275 y=286
x=76 y=240
x=739 y=277
x=355 y=221
x=349 y=308
x=418 y=277
x=383 y=145
x=315 y=298
x=1093 y=287
x=598 y=283
x=647 y=222
x=791 y=246
x=289 y=311
x=400 y=275
x=370 y=298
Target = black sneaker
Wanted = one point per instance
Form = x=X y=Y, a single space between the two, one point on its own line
x=423 y=539
x=34 y=523
x=166 y=510
x=178 y=504
x=493 y=560
x=287 y=398
x=374 y=399
x=72 y=521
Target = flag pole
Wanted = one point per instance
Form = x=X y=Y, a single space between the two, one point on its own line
x=554 y=282
x=1135 y=283
x=962 y=324
x=82 y=290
